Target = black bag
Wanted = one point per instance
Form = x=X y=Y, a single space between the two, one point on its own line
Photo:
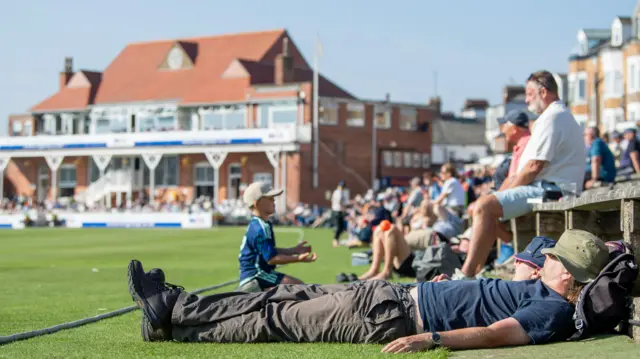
x=435 y=260
x=606 y=302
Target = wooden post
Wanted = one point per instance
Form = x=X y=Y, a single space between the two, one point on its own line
x=630 y=226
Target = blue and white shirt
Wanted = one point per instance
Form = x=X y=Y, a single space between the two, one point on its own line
x=257 y=249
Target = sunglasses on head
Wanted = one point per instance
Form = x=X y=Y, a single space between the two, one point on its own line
x=538 y=80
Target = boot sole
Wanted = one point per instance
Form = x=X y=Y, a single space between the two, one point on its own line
x=135 y=274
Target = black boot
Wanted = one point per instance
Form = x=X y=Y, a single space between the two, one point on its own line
x=154 y=335
x=156 y=275
x=155 y=299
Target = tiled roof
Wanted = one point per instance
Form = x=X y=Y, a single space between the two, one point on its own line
x=65 y=99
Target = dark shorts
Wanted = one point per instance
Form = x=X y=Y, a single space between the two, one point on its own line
x=261 y=281
x=406 y=270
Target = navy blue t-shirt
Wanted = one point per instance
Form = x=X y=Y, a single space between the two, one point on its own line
x=257 y=249
x=543 y=314
x=608 y=164
x=625 y=160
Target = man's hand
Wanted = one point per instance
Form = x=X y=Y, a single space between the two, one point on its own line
x=307 y=257
x=411 y=344
x=302 y=248
x=441 y=278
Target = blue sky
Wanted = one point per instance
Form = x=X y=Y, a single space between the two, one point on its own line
x=370 y=47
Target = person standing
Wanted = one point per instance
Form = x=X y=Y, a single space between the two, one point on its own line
x=338 y=204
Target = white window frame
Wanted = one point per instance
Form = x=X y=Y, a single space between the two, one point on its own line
x=426 y=160
x=397 y=159
x=61 y=182
x=356 y=121
x=387 y=158
x=416 y=160
x=223 y=110
x=206 y=165
x=574 y=80
x=232 y=176
x=28 y=128
x=329 y=105
x=633 y=74
x=408 y=112
x=17 y=128
x=273 y=107
x=387 y=117
x=407 y=159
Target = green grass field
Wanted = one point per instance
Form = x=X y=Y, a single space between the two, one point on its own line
x=51 y=276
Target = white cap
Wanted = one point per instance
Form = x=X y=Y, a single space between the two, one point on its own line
x=258 y=190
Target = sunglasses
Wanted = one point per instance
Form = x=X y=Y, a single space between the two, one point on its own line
x=540 y=81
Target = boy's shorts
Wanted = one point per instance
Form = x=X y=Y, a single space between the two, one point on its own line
x=260 y=282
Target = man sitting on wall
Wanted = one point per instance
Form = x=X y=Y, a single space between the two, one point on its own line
x=554 y=156
x=459 y=315
x=601 y=164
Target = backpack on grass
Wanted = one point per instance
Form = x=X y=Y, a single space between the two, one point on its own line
x=606 y=302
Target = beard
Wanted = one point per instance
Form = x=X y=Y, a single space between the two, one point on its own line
x=536 y=106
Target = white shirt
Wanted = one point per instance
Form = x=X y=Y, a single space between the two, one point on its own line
x=455 y=193
x=557 y=138
x=338 y=200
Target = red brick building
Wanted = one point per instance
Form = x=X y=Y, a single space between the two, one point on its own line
x=209 y=115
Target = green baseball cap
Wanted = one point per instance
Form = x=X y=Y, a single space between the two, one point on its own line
x=582 y=254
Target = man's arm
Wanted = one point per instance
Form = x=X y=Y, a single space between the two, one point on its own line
x=507 y=332
x=441 y=197
x=286 y=258
x=596 y=161
x=528 y=174
x=506 y=183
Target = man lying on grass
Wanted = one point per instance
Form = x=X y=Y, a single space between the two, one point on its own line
x=455 y=314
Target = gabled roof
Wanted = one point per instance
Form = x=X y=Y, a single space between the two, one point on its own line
x=261 y=73
x=626 y=20
x=139 y=72
x=597 y=34
x=79 y=92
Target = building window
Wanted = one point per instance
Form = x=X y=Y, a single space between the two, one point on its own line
x=264 y=177
x=204 y=180
x=387 y=158
x=417 y=161
x=408 y=119
x=28 y=128
x=224 y=118
x=408 y=160
x=426 y=160
x=16 y=128
x=397 y=159
x=49 y=124
x=355 y=115
x=67 y=183
x=328 y=113
x=233 y=180
x=277 y=114
x=166 y=173
x=382 y=118
x=582 y=83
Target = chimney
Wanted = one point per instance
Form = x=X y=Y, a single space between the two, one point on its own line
x=65 y=76
x=283 y=69
x=435 y=103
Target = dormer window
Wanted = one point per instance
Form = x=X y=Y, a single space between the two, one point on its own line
x=616 y=33
x=182 y=55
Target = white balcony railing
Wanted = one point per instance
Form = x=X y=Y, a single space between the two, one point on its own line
x=280 y=135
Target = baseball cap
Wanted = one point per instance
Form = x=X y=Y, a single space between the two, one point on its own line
x=582 y=254
x=516 y=117
x=533 y=253
x=258 y=190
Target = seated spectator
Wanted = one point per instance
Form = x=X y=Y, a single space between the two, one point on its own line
x=515 y=127
x=412 y=203
x=453 y=196
x=430 y=185
x=554 y=156
x=615 y=146
x=601 y=164
x=484 y=314
x=395 y=248
x=630 y=159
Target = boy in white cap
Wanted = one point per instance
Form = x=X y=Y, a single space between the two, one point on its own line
x=258 y=253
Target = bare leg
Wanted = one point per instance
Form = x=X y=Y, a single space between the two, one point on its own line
x=485 y=221
x=503 y=233
x=396 y=250
x=378 y=251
